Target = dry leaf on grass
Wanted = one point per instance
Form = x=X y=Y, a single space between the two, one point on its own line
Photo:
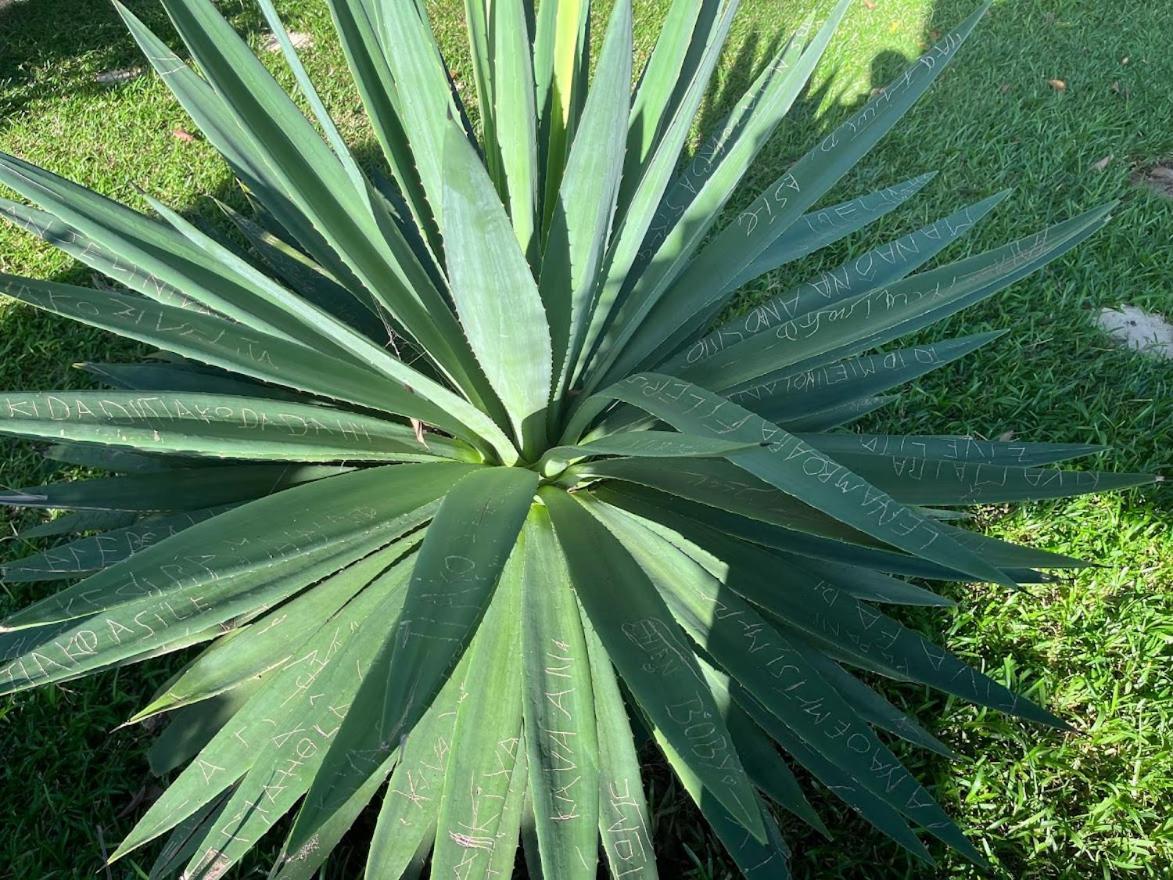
x=1138 y=330
x=118 y=75
x=299 y=40
x=1158 y=178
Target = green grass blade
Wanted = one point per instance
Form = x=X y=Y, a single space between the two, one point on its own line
x=496 y=297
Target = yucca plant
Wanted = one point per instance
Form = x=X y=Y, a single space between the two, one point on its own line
x=462 y=489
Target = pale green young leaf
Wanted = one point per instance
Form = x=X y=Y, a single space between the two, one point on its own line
x=496 y=297
x=580 y=222
x=516 y=115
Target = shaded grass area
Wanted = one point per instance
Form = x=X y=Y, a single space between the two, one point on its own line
x=1097 y=647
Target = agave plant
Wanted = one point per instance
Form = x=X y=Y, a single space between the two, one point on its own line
x=460 y=483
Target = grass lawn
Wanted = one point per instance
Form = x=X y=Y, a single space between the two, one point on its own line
x=1096 y=647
